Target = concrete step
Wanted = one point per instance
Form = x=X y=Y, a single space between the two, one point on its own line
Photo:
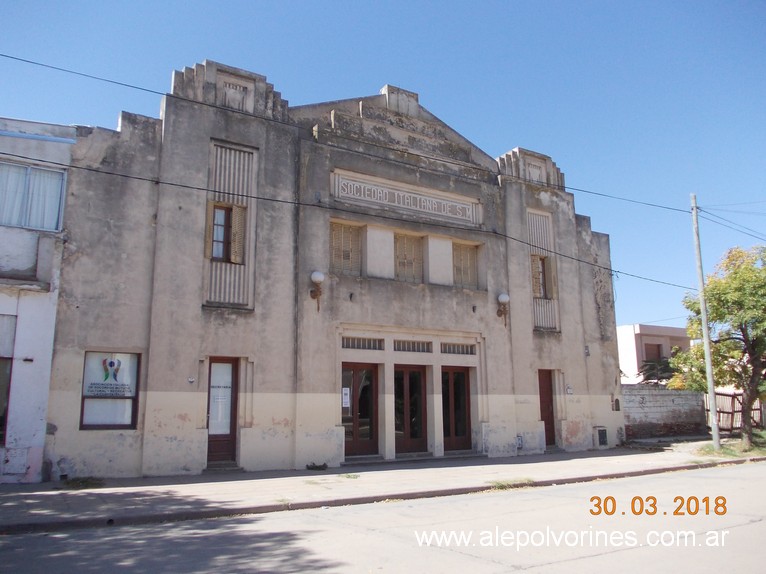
x=223 y=466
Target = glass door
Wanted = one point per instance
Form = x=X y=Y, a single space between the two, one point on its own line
x=410 y=409
x=359 y=407
x=456 y=408
x=222 y=411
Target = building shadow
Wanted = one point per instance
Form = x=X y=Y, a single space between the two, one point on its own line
x=222 y=545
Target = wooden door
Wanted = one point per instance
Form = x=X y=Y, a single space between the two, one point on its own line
x=456 y=408
x=359 y=406
x=545 y=382
x=222 y=411
x=410 y=409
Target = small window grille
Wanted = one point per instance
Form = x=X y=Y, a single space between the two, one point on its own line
x=458 y=349
x=363 y=343
x=413 y=346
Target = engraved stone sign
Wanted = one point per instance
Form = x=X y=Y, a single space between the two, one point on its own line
x=434 y=204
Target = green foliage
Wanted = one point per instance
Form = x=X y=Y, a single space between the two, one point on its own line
x=736 y=302
x=689 y=366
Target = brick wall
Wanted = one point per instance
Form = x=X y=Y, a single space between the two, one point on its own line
x=651 y=411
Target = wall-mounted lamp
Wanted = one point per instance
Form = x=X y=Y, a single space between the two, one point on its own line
x=317 y=278
x=502 y=307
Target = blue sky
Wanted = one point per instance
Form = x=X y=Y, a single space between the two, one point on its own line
x=650 y=101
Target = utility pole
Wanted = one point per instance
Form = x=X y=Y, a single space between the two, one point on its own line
x=705 y=332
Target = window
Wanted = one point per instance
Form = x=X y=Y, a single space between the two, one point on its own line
x=652 y=352
x=365 y=343
x=5 y=391
x=408 y=253
x=543 y=272
x=225 y=228
x=413 y=346
x=221 y=233
x=458 y=349
x=110 y=391
x=464 y=265
x=230 y=227
x=540 y=277
x=30 y=197
x=346 y=249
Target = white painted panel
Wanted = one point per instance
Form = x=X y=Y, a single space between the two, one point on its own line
x=220 y=398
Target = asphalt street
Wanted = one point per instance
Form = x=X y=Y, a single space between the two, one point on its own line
x=707 y=520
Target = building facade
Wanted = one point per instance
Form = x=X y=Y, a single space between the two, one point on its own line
x=251 y=284
x=638 y=344
x=33 y=168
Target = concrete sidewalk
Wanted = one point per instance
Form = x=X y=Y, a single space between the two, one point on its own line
x=47 y=507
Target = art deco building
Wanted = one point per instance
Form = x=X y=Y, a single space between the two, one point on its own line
x=251 y=284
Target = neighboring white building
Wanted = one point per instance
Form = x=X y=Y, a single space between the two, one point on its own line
x=33 y=161
x=251 y=284
x=640 y=343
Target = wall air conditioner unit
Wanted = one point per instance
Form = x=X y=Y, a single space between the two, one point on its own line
x=599 y=437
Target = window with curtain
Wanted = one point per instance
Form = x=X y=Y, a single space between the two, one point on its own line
x=30 y=197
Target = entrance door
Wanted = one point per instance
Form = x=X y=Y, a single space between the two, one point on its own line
x=410 y=409
x=545 y=381
x=222 y=411
x=359 y=402
x=456 y=408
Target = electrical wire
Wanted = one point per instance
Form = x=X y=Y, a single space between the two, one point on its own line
x=738 y=211
x=82 y=74
x=756 y=234
x=663 y=320
x=340 y=209
x=276 y=120
x=734 y=204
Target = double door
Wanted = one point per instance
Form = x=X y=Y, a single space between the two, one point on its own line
x=359 y=402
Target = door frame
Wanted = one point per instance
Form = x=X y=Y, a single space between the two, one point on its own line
x=357 y=446
x=406 y=443
x=545 y=391
x=223 y=448
x=453 y=442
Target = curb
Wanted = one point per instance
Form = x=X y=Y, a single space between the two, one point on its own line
x=187 y=515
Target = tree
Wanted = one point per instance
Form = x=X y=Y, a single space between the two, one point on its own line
x=656 y=371
x=736 y=300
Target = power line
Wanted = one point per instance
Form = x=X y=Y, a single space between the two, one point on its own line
x=82 y=74
x=738 y=211
x=275 y=120
x=338 y=209
x=646 y=203
x=732 y=228
x=663 y=320
x=738 y=227
x=734 y=204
